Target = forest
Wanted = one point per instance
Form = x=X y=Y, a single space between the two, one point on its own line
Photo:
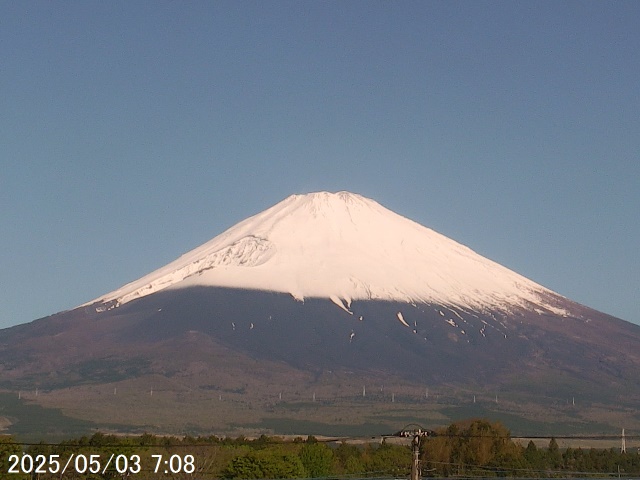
x=472 y=448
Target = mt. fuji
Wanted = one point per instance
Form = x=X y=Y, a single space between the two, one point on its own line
x=344 y=247
x=290 y=314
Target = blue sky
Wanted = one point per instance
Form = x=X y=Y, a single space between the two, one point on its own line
x=133 y=132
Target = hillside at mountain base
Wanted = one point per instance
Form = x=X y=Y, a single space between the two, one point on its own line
x=325 y=314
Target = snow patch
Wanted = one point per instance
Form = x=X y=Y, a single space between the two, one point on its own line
x=401 y=318
x=338 y=301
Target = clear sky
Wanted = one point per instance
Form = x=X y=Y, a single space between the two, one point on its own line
x=132 y=132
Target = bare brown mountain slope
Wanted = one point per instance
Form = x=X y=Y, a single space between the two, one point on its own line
x=253 y=347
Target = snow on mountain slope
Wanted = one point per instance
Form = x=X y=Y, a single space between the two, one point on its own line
x=344 y=247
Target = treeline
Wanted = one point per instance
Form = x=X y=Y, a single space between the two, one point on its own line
x=470 y=448
x=481 y=448
x=206 y=458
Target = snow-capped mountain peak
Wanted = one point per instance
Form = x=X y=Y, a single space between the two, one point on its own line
x=345 y=247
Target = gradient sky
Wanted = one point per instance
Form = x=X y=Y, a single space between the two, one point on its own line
x=132 y=132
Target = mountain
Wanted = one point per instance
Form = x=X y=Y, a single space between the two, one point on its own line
x=343 y=247
x=294 y=314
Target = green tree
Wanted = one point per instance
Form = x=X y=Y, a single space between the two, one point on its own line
x=554 y=455
x=533 y=457
x=348 y=459
x=317 y=459
x=8 y=447
x=389 y=459
x=266 y=463
x=471 y=447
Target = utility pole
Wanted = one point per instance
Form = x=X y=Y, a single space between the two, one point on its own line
x=415 y=464
x=416 y=433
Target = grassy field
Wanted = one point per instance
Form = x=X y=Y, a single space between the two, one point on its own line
x=30 y=421
x=170 y=405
